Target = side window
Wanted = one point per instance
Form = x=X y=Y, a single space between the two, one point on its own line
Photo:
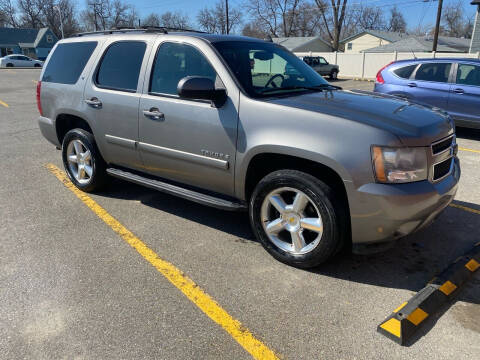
x=405 y=72
x=120 y=66
x=323 y=61
x=468 y=74
x=437 y=72
x=175 y=61
x=67 y=62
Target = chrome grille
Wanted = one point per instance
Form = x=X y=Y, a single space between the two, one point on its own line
x=443 y=152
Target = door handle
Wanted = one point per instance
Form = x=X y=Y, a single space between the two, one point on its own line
x=154 y=114
x=94 y=102
x=412 y=84
x=459 y=91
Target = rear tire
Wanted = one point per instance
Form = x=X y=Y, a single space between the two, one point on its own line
x=297 y=218
x=82 y=161
x=9 y=65
x=36 y=65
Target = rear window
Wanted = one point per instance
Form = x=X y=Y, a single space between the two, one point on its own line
x=437 y=72
x=68 y=61
x=405 y=72
x=120 y=66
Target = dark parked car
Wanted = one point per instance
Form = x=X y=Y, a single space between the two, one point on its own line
x=321 y=66
x=450 y=84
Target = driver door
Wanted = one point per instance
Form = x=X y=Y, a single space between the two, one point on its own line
x=184 y=140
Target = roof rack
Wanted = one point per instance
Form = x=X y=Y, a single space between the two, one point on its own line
x=144 y=29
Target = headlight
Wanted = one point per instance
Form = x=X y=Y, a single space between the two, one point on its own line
x=400 y=165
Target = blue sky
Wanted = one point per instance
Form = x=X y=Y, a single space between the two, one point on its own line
x=415 y=11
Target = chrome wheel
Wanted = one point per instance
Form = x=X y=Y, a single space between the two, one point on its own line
x=291 y=220
x=79 y=161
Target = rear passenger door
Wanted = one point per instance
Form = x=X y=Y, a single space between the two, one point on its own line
x=431 y=84
x=464 y=104
x=189 y=141
x=111 y=99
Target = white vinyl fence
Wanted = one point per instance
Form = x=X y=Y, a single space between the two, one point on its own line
x=366 y=65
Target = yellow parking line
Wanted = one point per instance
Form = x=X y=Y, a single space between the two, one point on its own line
x=470 y=150
x=465 y=208
x=35 y=82
x=3 y=103
x=210 y=307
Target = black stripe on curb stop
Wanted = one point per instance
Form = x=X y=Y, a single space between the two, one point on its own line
x=408 y=317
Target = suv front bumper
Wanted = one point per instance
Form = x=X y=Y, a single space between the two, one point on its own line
x=387 y=212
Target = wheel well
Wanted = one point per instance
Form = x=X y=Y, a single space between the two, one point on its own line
x=263 y=164
x=67 y=122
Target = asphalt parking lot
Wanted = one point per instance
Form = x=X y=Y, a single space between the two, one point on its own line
x=71 y=287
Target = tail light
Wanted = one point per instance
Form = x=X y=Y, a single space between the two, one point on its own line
x=39 y=103
x=379 y=79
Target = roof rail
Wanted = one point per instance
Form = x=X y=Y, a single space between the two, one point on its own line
x=144 y=29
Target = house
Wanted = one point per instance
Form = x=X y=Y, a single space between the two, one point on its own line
x=368 y=39
x=304 y=44
x=35 y=43
x=424 y=44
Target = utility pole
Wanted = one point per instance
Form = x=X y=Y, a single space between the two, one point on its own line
x=437 y=26
x=226 y=11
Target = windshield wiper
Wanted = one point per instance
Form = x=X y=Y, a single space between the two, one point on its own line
x=320 y=87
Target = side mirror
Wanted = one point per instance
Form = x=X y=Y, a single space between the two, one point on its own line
x=201 y=88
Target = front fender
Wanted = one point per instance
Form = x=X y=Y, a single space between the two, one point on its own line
x=243 y=163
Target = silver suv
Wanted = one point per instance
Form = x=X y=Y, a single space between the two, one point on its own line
x=238 y=123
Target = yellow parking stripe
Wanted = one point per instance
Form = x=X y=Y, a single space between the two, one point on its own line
x=417 y=316
x=3 y=103
x=465 y=208
x=448 y=287
x=472 y=265
x=393 y=326
x=400 y=307
x=470 y=150
x=210 y=307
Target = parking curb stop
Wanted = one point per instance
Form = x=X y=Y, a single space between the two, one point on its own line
x=404 y=321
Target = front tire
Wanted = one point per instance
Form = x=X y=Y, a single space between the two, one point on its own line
x=334 y=75
x=9 y=65
x=294 y=217
x=82 y=161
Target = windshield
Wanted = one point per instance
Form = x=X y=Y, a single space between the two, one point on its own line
x=266 y=69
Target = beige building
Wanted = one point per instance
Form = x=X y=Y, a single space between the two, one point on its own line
x=368 y=39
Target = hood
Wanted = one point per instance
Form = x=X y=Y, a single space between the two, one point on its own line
x=413 y=124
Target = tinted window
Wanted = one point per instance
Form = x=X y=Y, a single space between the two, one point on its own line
x=468 y=74
x=67 y=62
x=437 y=72
x=405 y=72
x=265 y=68
x=120 y=66
x=323 y=61
x=175 y=61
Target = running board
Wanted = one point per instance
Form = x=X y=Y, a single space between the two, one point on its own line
x=188 y=194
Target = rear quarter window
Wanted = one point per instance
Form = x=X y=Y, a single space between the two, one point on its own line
x=68 y=61
x=405 y=71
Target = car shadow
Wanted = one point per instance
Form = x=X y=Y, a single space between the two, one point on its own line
x=409 y=264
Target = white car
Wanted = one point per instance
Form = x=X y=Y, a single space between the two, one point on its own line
x=17 y=60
